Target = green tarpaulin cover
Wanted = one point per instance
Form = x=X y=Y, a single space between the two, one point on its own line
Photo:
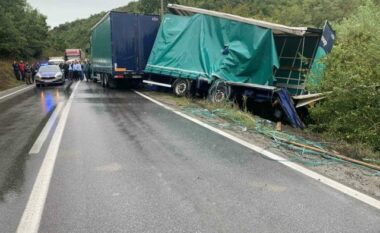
x=211 y=47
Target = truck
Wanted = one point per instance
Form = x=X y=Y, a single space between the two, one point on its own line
x=226 y=56
x=74 y=55
x=120 y=47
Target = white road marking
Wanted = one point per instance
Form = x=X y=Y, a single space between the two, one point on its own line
x=13 y=93
x=327 y=181
x=36 y=148
x=31 y=218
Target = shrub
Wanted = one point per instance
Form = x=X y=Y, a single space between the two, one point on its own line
x=352 y=111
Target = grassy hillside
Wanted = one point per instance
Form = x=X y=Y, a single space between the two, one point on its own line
x=71 y=35
x=7 y=78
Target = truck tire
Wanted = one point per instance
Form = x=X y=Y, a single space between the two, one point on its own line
x=219 y=92
x=181 y=87
x=106 y=81
x=102 y=80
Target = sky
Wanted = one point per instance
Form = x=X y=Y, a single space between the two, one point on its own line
x=61 y=11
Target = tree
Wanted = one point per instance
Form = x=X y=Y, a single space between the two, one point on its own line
x=352 y=112
x=23 y=29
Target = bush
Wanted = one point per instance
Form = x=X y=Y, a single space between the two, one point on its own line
x=352 y=111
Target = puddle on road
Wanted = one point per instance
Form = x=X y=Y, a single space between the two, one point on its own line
x=50 y=96
x=49 y=99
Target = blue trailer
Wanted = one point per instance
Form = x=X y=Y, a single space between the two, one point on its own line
x=120 y=46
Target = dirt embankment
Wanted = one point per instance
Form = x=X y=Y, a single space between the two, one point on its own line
x=7 y=77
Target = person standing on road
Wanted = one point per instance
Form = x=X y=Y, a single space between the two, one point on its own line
x=28 y=74
x=81 y=73
x=21 y=68
x=35 y=68
x=77 y=70
x=66 y=70
x=88 y=71
x=71 y=71
x=16 y=70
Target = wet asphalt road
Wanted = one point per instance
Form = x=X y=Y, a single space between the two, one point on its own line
x=22 y=118
x=128 y=165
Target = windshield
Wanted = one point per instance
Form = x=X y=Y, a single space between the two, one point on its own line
x=49 y=69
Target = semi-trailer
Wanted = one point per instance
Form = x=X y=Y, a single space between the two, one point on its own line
x=226 y=56
x=72 y=55
x=120 y=46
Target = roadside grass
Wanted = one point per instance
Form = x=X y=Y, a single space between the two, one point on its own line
x=357 y=151
x=7 y=77
x=230 y=112
x=227 y=111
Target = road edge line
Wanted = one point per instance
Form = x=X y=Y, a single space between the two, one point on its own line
x=31 y=218
x=15 y=92
x=316 y=176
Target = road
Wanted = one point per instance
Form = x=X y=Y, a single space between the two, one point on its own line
x=125 y=164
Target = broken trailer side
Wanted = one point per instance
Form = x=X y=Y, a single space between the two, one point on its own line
x=231 y=55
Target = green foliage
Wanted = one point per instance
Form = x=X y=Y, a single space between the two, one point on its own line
x=72 y=35
x=289 y=12
x=303 y=12
x=352 y=112
x=23 y=30
x=153 y=6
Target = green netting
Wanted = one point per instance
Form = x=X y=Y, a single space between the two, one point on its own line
x=300 y=155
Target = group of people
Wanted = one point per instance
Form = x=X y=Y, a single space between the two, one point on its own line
x=25 y=71
x=76 y=70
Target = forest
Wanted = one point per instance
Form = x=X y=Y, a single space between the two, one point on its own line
x=350 y=114
x=23 y=30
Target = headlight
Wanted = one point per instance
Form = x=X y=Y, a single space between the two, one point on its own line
x=58 y=75
x=38 y=76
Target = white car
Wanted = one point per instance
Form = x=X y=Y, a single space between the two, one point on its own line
x=49 y=74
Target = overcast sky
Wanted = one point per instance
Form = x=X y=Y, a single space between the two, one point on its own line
x=61 y=11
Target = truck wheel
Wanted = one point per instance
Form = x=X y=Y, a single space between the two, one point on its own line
x=181 y=87
x=219 y=92
x=102 y=80
x=106 y=81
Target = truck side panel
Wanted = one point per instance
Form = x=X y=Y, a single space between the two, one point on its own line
x=124 y=36
x=147 y=31
x=101 y=51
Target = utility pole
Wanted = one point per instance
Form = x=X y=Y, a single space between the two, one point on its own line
x=162 y=9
